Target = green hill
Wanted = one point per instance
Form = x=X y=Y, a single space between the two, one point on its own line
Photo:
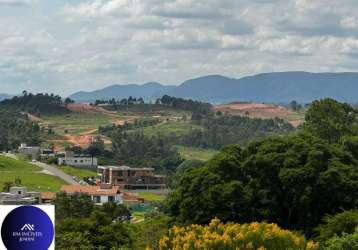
x=30 y=175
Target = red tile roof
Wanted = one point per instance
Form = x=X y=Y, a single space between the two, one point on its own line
x=90 y=190
x=48 y=195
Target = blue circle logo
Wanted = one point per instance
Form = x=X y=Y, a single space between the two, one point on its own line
x=27 y=228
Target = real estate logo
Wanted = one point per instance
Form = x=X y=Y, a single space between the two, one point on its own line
x=27 y=227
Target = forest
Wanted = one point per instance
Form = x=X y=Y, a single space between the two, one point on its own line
x=37 y=104
x=163 y=103
x=295 y=191
x=16 y=128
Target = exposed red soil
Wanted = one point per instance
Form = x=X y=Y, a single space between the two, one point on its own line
x=296 y=123
x=84 y=141
x=255 y=109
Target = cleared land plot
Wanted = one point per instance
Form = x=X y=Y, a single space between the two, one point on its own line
x=30 y=175
x=147 y=196
x=168 y=128
x=80 y=123
x=201 y=154
x=78 y=172
x=260 y=110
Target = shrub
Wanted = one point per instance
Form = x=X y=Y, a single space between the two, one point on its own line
x=234 y=236
x=345 y=242
x=337 y=225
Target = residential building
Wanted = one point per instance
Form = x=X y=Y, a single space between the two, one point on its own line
x=19 y=196
x=131 y=178
x=47 y=153
x=128 y=198
x=80 y=161
x=31 y=151
x=99 y=194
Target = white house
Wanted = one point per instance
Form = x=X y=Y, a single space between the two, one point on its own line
x=99 y=194
x=81 y=161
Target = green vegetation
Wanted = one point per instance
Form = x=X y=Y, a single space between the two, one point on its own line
x=344 y=242
x=80 y=123
x=337 y=225
x=330 y=120
x=16 y=129
x=221 y=130
x=136 y=149
x=170 y=128
x=151 y=196
x=30 y=175
x=293 y=180
x=38 y=104
x=147 y=233
x=164 y=103
x=81 y=225
x=78 y=172
x=233 y=236
x=201 y=154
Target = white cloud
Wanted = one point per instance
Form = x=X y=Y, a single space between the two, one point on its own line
x=350 y=22
x=16 y=2
x=88 y=44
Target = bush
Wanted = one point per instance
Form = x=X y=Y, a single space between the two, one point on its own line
x=234 y=236
x=337 y=225
x=345 y=242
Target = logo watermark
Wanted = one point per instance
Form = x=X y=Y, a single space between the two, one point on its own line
x=27 y=227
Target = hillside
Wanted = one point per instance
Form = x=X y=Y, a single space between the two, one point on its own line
x=281 y=87
x=260 y=110
x=31 y=175
x=148 y=91
x=41 y=103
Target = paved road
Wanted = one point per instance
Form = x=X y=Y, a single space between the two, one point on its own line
x=57 y=172
x=49 y=169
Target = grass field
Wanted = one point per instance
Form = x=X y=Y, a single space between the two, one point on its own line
x=30 y=175
x=151 y=196
x=80 y=123
x=201 y=154
x=78 y=172
x=167 y=128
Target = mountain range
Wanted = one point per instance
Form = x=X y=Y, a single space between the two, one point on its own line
x=4 y=96
x=278 y=87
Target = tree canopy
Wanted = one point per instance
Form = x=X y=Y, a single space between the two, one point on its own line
x=293 y=181
x=330 y=120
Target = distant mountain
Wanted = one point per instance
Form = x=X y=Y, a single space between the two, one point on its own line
x=268 y=87
x=4 y=96
x=148 y=91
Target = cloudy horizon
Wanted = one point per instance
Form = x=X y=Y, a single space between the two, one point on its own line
x=64 y=46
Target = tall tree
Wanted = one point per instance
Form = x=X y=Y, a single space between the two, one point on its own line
x=330 y=119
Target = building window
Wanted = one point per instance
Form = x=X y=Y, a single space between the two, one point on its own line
x=81 y=161
x=75 y=161
x=111 y=198
x=97 y=199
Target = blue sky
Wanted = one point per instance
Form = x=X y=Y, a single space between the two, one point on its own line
x=64 y=46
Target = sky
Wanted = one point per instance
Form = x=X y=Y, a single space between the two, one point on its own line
x=63 y=46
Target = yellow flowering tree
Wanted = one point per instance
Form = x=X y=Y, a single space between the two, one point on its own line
x=231 y=236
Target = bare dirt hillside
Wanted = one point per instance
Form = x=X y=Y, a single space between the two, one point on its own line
x=260 y=110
